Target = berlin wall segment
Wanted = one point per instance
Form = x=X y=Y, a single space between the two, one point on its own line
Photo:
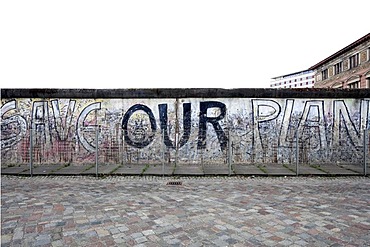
x=261 y=129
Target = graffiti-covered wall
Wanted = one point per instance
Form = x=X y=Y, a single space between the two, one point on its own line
x=259 y=129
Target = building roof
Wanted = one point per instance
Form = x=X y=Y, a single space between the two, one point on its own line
x=340 y=52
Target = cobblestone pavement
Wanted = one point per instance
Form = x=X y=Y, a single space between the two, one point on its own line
x=203 y=211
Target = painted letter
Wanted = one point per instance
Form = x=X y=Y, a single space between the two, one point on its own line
x=62 y=126
x=204 y=119
x=341 y=112
x=309 y=108
x=186 y=124
x=13 y=128
x=263 y=110
x=141 y=139
x=82 y=127
x=40 y=122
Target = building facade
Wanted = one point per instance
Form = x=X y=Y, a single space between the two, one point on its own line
x=347 y=68
x=301 y=79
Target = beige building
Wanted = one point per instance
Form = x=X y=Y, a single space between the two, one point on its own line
x=347 y=68
x=301 y=79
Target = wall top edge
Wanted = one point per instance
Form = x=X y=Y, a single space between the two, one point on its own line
x=184 y=93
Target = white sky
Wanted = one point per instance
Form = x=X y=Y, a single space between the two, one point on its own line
x=176 y=44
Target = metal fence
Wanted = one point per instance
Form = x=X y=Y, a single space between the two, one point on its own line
x=298 y=155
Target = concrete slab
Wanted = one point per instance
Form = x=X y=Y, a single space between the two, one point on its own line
x=354 y=168
x=309 y=170
x=90 y=170
x=216 y=170
x=71 y=170
x=158 y=170
x=337 y=170
x=194 y=170
x=43 y=169
x=14 y=170
x=102 y=169
x=130 y=169
x=241 y=169
x=276 y=170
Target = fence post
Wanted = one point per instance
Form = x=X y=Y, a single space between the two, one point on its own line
x=162 y=147
x=296 y=152
x=229 y=152
x=31 y=151
x=201 y=159
x=177 y=148
x=96 y=150
x=365 y=151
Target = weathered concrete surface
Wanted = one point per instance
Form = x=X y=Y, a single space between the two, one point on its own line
x=190 y=130
x=184 y=126
x=144 y=211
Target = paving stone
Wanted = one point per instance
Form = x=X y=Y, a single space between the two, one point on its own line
x=18 y=234
x=203 y=211
x=57 y=243
x=141 y=240
x=119 y=240
x=42 y=240
x=5 y=238
x=102 y=232
x=148 y=232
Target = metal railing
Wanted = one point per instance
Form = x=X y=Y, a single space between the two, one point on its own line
x=298 y=156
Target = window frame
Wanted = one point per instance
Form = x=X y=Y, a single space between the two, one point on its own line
x=354 y=61
x=338 y=68
x=324 y=74
x=354 y=84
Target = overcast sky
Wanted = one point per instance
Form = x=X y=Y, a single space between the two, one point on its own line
x=177 y=44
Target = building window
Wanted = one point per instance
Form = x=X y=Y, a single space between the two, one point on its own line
x=324 y=74
x=306 y=82
x=354 y=84
x=353 y=61
x=338 y=68
x=368 y=54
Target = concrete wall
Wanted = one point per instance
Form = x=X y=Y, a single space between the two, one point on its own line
x=262 y=125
